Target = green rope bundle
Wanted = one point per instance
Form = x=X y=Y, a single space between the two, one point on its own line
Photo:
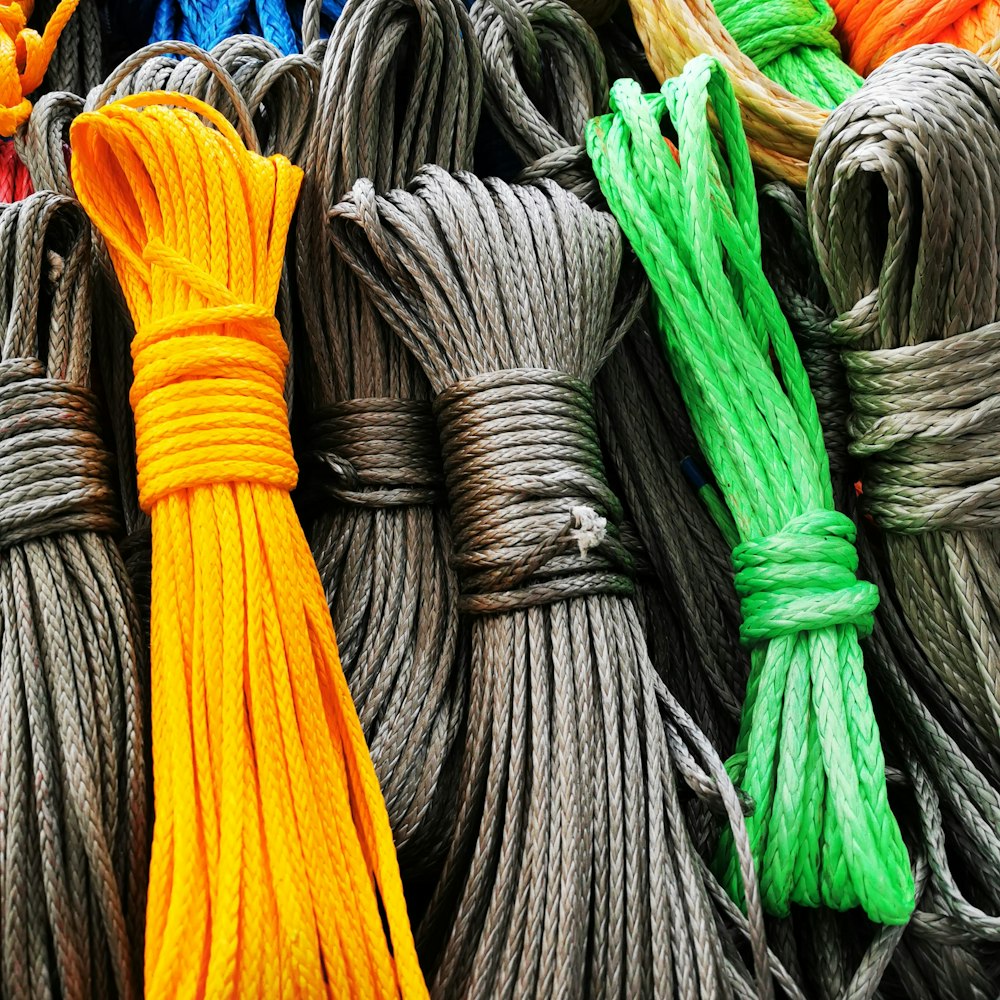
x=792 y=42
x=808 y=752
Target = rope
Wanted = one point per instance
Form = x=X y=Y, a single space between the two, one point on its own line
x=571 y=868
x=793 y=44
x=371 y=462
x=15 y=181
x=73 y=802
x=76 y=64
x=923 y=713
x=271 y=844
x=24 y=58
x=808 y=752
x=918 y=327
x=874 y=30
x=207 y=24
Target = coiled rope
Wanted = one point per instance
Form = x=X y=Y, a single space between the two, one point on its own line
x=572 y=868
x=73 y=796
x=874 y=30
x=916 y=295
x=271 y=845
x=808 y=752
x=371 y=462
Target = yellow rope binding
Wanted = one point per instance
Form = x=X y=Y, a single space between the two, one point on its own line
x=272 y=849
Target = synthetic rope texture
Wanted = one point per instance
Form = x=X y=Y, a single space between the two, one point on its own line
x=917 y=313
x=273 y=867
x=808 y=753
x=73 y=793
x=372 y=480
x=572 y=868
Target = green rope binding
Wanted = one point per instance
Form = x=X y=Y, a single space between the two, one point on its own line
x=792 y=42
x=808 y=751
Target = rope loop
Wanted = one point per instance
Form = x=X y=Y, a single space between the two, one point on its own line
x=803 y=579
x=926 y=417
x=377 y=452
x=533 y=518
x=208 y=393
x=55 y=473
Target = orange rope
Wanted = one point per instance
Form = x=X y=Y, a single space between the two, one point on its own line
x=24 y=57
x=872 y=30
x=272 y=848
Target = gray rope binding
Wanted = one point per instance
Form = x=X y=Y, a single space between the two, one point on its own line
x=73 y=795
x=370 y=461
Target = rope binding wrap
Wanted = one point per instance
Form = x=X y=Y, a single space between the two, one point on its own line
x=808 y=752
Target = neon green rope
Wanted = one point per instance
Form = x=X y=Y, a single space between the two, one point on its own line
x=808 y=750
x=792 y=42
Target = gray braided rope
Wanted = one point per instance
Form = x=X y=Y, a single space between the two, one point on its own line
x=401 y=86
x=73 y=795
x=76 y=64
x=922 y=710
x=572 y=869
x=923 y=270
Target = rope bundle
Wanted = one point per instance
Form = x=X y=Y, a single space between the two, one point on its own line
x=273 y=867
x=917 y=307
x=73 y=797
x=506 y=295
x=808 y=751
x=372 y=472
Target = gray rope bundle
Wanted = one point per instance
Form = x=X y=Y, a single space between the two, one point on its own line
x=966 y=830
x=369 y=457
x=73 y=796
x=572 y=869
x=545 y=77
x=901 y=184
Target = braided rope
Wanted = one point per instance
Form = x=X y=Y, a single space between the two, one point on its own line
x=73 y=798
x=808 y=751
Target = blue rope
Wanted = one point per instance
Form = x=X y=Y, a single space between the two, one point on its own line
x=208 y=22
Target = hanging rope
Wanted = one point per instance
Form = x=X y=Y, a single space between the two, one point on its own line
x=371 y=462
x=874 y=30
x=76 y=64
x=571 y=868
x=918 y=323
x=73 y=797
x=15 y=181
x=271 y=845
x=808 y=751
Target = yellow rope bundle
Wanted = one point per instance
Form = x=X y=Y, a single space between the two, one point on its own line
x=272 y=851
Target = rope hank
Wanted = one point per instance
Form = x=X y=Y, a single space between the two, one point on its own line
x=808 y=751
x=73 y=802
x=271 y=844
x=24 y=57
x=371 y=460
x=917 y=318
x=874 y=30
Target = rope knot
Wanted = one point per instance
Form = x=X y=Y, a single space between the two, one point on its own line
x=55 y=473
x=533 y=518
x=208 y=394
x=803 y=579
x=926 y=419
x=24 y=57
x=376 y=452
x=764 y=30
